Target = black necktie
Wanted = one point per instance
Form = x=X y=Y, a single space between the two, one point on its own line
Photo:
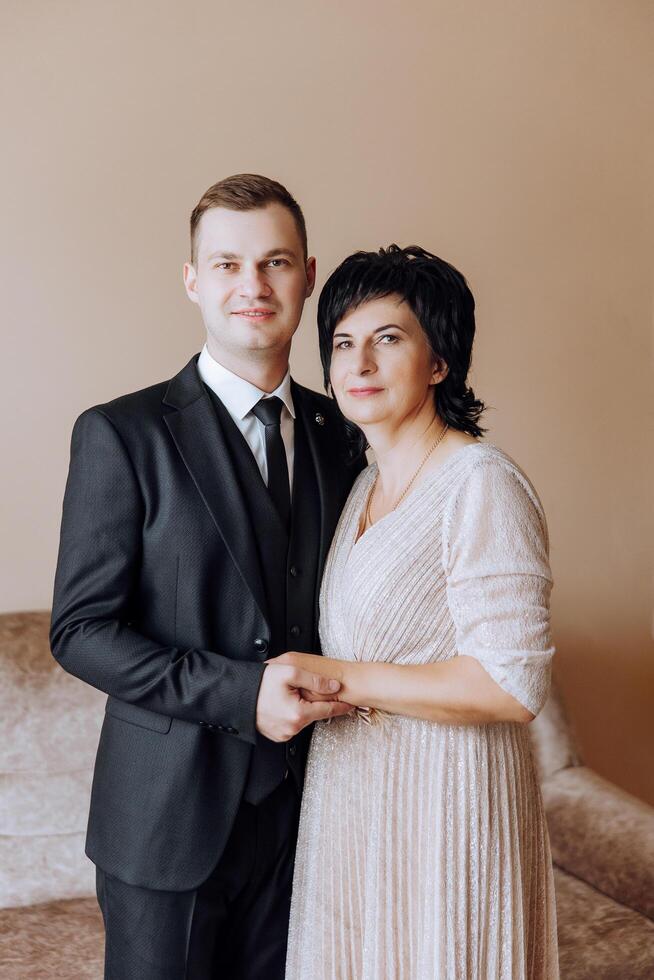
x=268 y=411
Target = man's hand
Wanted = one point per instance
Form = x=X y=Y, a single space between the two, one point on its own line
x=282 y=711
x=316 y=664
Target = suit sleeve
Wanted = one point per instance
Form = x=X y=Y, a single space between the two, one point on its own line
x=95 y=582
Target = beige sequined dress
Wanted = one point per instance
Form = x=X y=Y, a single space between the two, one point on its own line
x=423 y=851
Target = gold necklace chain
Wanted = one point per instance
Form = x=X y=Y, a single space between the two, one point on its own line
x=367 y=519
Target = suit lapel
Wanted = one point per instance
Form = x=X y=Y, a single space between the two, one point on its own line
x=199 y=438
x=325 y=454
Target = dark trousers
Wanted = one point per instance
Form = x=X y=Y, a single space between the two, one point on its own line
x=234 y=926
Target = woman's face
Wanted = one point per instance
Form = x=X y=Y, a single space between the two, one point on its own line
x=382 y=368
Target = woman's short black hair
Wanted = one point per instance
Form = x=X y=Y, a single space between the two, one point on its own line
x=441 y=301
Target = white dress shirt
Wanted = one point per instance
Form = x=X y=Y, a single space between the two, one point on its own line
x=239 y=398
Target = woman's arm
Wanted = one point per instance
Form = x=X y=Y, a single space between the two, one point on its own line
x=498 y=586
x=456 y=691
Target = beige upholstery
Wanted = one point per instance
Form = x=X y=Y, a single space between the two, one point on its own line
x=599 y=939
x=602 y=838
x=603 y=852
x=49 y=727
x=62 y=940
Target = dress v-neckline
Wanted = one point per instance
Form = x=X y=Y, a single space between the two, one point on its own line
x=431 y=478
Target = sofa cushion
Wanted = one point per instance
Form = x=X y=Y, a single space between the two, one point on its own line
x=44 y=865
x=58 y=939
x=603 y=835
x=49 y=728
x=598 y=938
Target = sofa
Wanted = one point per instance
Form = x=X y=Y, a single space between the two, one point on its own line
x=50 y=926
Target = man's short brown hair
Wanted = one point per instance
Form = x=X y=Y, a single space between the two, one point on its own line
x=246 y=192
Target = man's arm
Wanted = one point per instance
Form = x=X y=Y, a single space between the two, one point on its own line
x=97 y=574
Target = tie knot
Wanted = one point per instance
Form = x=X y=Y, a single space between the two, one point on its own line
x=268 y=410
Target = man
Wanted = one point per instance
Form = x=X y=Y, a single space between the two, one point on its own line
x=196 y=521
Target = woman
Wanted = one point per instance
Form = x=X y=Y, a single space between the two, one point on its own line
x=423 y=850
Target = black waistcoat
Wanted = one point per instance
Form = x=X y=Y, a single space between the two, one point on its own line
x=289 y=567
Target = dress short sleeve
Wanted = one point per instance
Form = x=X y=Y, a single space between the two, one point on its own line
x=495 y=555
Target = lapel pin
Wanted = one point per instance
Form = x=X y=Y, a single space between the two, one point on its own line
x=320 y=419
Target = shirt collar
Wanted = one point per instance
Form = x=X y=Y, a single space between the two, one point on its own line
x=238 y=395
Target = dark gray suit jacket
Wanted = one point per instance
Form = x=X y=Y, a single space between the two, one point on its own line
x=159 y=602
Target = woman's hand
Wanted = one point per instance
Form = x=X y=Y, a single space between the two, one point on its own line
x=345 y=672
x=317 y=665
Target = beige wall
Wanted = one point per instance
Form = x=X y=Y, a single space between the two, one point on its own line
x=513 y=138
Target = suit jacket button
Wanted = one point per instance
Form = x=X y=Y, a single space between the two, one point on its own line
x=295 y=631
x=261 y=645
x=294 y=571
x=292 y=749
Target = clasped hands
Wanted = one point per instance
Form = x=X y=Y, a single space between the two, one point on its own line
x=297 y=689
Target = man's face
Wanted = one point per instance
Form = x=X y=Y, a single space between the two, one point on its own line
x=250 y=280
